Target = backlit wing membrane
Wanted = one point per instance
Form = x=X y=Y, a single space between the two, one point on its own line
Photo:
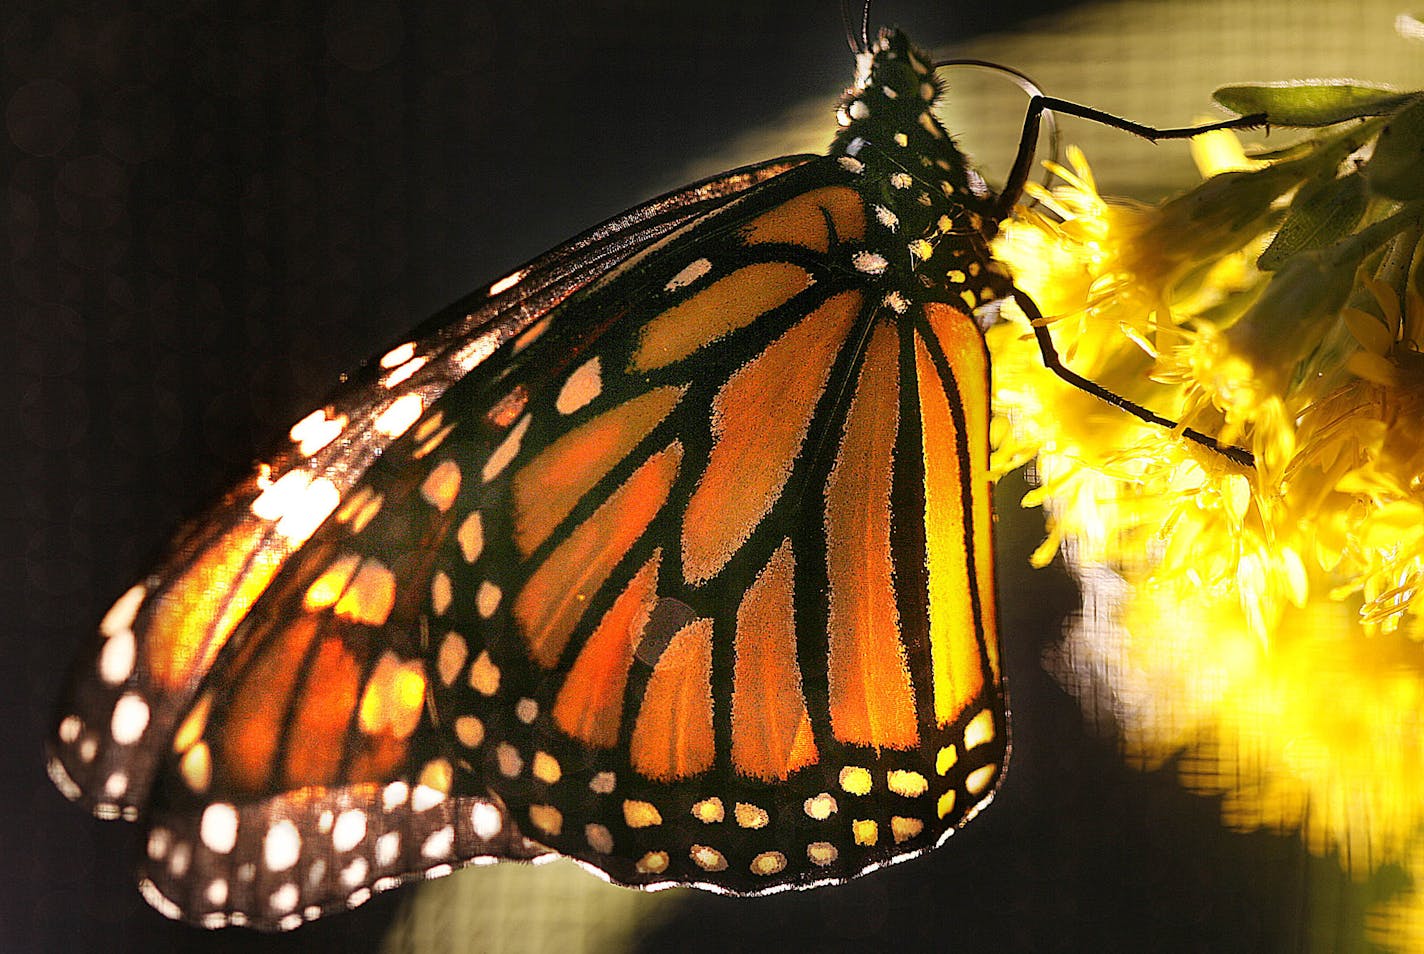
x=670 y=553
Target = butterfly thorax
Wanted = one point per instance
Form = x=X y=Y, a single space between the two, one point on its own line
x=935 y=212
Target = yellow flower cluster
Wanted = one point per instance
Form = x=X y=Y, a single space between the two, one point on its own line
x=1266 y=621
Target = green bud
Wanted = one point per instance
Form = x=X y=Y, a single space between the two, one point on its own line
x=1319 y=103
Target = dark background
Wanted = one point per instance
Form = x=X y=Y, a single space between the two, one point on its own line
x=212 y=209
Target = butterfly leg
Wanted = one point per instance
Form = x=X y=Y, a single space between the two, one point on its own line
x=1055 y=364
x=1028 y=141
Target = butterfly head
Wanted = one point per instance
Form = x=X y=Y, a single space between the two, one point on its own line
x=892 y=78
x=890 y=108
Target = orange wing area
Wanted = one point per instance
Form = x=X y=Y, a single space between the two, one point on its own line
x=673 y=736
x=327 y=688
x=199 y=610
x=958 y=676
x=963 y=347
x=724 y=306
x=871 y=699
x=771 y=731
x=553 y=600
x=802 y=220
x=590 y=703
x=753 y=451
x=549 y=486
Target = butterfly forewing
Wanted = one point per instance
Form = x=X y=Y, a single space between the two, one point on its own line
x=730 y=621
x=670 y=553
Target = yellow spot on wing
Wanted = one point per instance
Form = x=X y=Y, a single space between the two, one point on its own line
x=907 y=784
x=639 y=814
x=855 y=780
x=370 y=596
x=979 y=730
x=442 y=485
x=327 y=588
x=709 y=811
x=393 y=698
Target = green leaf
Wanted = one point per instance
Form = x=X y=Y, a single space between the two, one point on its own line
x=1396 y=170
x=1320 y=215
x=1310 y=104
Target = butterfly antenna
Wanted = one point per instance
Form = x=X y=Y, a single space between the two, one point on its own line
x=857 y=35
x=1023 y=82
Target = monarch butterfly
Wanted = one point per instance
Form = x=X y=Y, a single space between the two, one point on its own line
x=670 y=552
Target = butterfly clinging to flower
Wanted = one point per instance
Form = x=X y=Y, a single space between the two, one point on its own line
x=669 y=552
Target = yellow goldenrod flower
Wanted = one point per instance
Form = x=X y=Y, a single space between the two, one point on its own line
x=1268 y=621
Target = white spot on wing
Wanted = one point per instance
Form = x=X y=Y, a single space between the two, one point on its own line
x=115 y=785
x=871 y=263
x=387 y=848
x=316 y=430
x=397 y=419
x=130 y=719
x=394 y=795
x=69 y=729
x=349 y=830
x=282 y=846
x=584 y=384
x=506 y=451
x=439 y=844
x=886 y=218
x=318 y=499
x=689 y=274
x=218 y=827
x=121 y=615
x=285 y=898
x=355 y=873
x=473 y=354
x=424 y=798
x=404 y=372
x=398 y=355
x=281 y=495
x=506 y=283
x=486 y=821
x=116 y=659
